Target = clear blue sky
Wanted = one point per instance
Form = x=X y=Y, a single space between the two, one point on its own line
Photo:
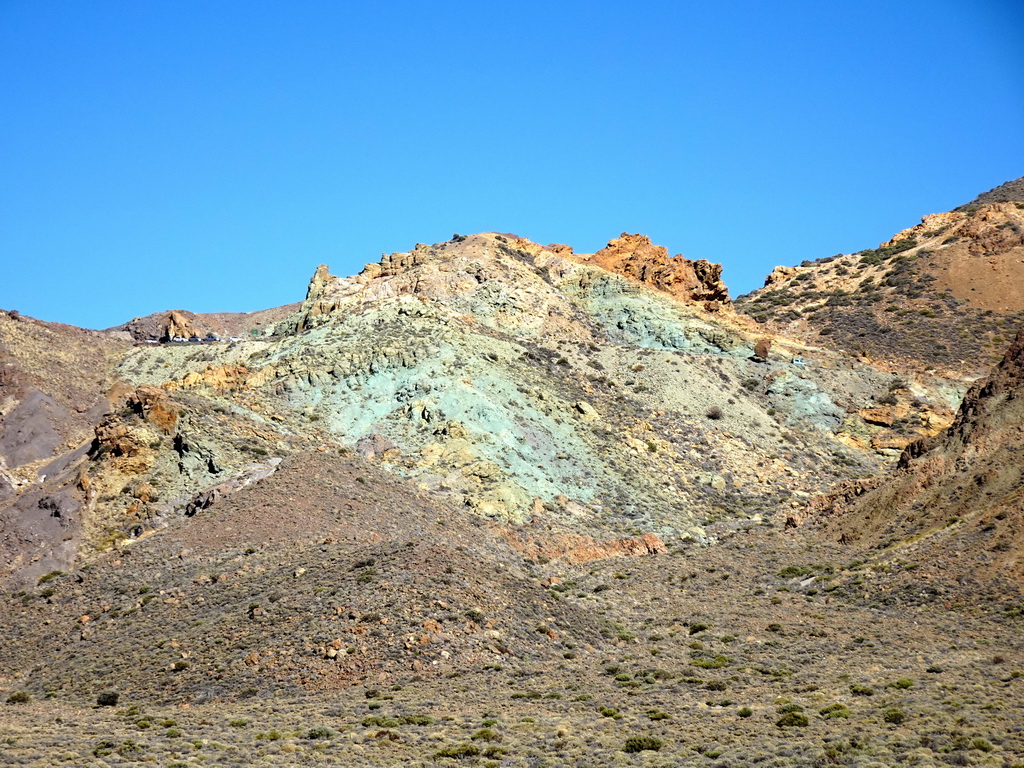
x=208 y=155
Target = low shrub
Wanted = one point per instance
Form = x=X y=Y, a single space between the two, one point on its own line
x=792 y=719
x=833 y=711
x=459 y=752
x=792 y=571
x=104 y=747
x=981 y=745
x=642 y=743
x=418 y=720
x=380 y=721
x=894 y=716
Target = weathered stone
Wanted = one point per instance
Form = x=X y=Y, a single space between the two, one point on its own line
x=761 y=349
x=586 y=409
x=574 y=548
x=634 y=256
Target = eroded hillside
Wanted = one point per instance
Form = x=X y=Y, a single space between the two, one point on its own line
x=945 y=295
x=526 y=384
x=609 y=395
x=951 y=520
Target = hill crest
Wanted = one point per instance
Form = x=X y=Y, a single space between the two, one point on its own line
x=943 y=295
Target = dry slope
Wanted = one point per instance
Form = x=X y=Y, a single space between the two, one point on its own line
x=955 y=509
x=943 y=295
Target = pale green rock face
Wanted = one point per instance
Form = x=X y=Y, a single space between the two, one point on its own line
x=521 y=384
x=631 y=315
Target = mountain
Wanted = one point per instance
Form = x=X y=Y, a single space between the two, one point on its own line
x=1008 y=192
x=521 y=382
x=945 y=295
x=498 y=503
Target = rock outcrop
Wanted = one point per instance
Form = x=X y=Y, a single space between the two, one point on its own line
x=575 y=549
x=452 y=272
x=153 y=405
x=180 y=325
x=183 y=324
x=780 y=275
x=637 y=258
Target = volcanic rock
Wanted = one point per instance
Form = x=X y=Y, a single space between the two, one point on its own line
x=637 y=258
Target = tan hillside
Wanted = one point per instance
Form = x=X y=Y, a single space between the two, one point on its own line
x=164 y=326
x=946 y=294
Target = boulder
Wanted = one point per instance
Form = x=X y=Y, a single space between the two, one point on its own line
x=780 y=275
x=761 y=350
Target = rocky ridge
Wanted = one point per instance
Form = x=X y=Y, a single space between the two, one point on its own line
x=1008 y=192
x=182 y=324
x=437 y=361
x=522 y=382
